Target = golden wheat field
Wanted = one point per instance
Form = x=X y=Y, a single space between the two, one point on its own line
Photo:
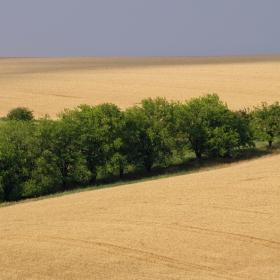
x=219 y=224
x=48 y=85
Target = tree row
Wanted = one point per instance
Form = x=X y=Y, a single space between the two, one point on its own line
x=39 y=157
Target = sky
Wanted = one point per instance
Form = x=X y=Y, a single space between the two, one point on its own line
x=51 y=28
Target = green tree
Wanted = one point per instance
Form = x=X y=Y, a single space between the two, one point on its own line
x=142 y=152
x=120 y=157
x=206 y=126
x=230 y=134
x=20 y=114
x=266 y=122
x=150 y=129
x=45 y=177
x=194 y=119
x=98 y=134
x=245 y=115
x=111 y=126
x=60 y=159
x=17 y=144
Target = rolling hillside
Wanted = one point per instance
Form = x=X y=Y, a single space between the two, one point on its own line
x=219 y=224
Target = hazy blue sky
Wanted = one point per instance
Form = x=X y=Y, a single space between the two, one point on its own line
x=139 y=27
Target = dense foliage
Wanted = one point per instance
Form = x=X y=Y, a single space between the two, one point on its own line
x=266 y=122
x=46 y=156
x=208 y=127
x=20 y=114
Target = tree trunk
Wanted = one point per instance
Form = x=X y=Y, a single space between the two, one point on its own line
x=64 y=175
x=270 y=143
x=93 y=179
x=7 y=192
x=198 y=154
x=148 y=168
x=64 y=185
x=121 y=172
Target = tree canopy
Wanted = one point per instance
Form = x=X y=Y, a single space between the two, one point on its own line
x=17 y=147
x=20 y=114
x=150 y=132
x=266 y=121
x=207 y=126
x=88 y=142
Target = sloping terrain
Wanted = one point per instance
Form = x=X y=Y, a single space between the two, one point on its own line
x=219 y=224
x=48 y=85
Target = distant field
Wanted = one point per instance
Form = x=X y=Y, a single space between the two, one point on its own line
x=48 y=85
x=219 y=224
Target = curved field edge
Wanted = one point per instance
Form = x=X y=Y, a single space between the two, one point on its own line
x=192 y=165
x=220 y=224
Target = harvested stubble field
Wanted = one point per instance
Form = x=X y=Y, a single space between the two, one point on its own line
x=219 y=224
x=48 y=85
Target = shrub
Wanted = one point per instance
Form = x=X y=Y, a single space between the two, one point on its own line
x=20 y=114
